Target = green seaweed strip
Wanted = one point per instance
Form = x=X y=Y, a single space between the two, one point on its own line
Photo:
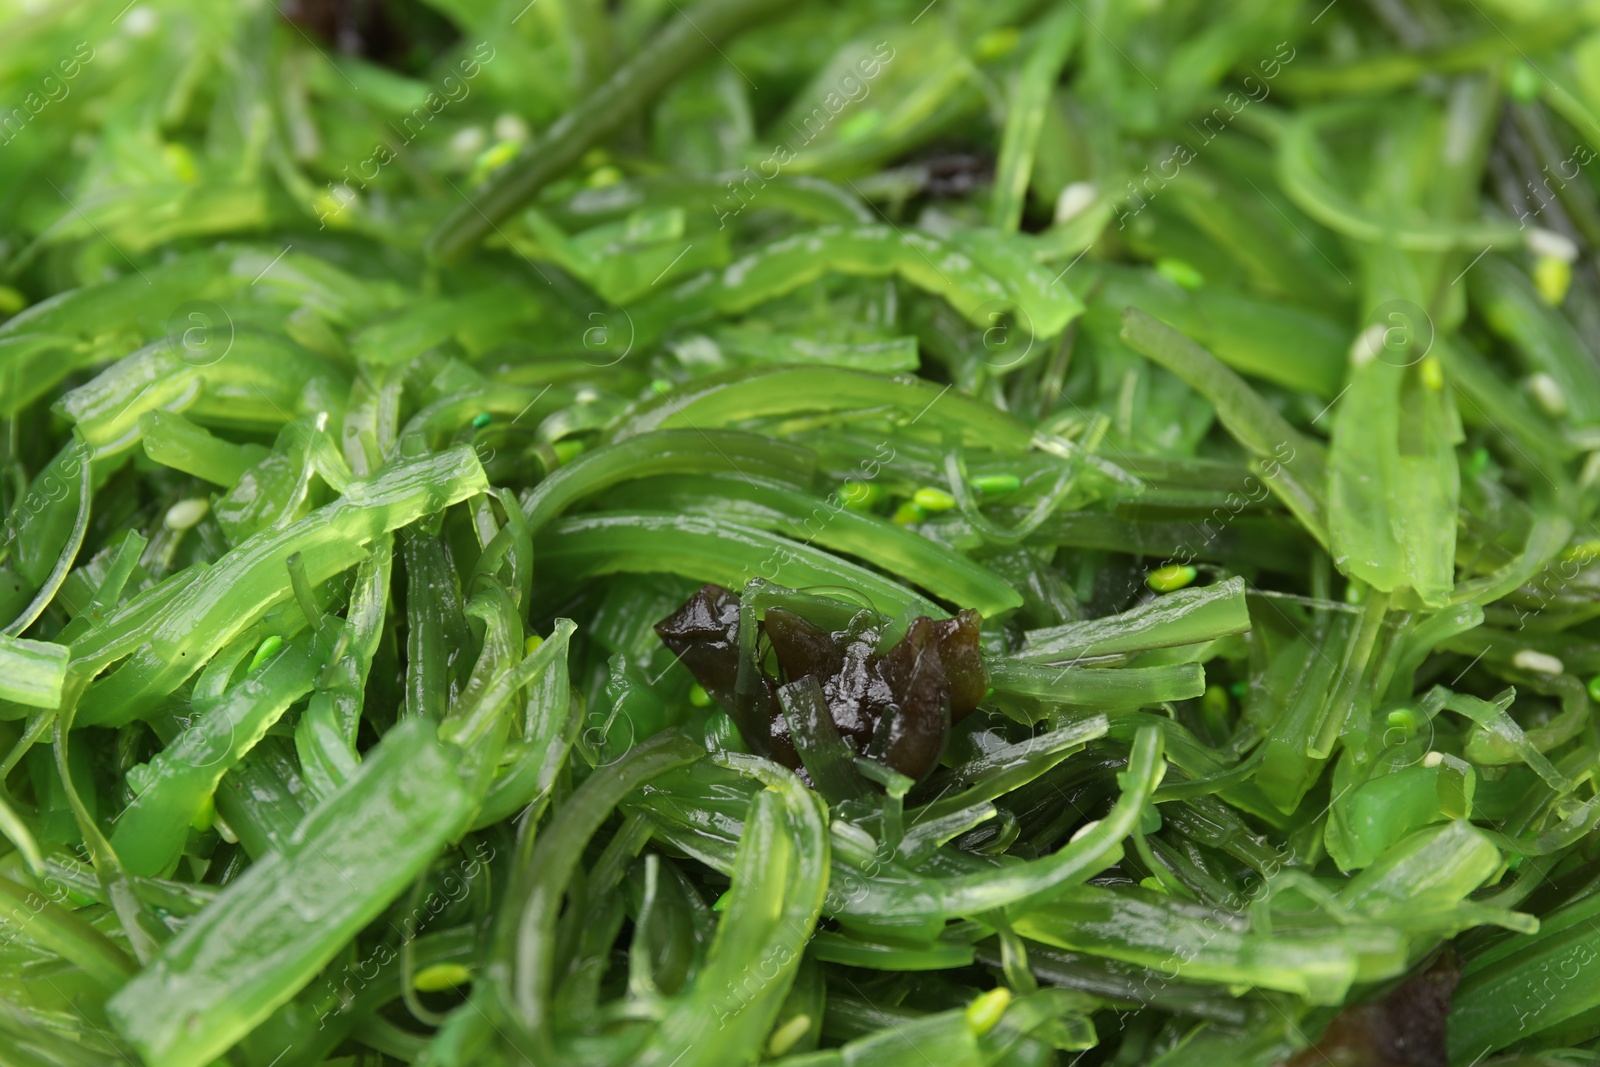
x=521 y=967
x=1299 y=170
x=62 y=931
x=173 y=441
x=180 y=779
x=780 y=875
x=773 y=506
x=291 y=912
x=436 y=626
x=1393 y=483
x=32 y=672
x=1546 y=342
x=49 y=583
x=1097 y=846
x=1180 y=618
x=1292 y=465
x=1025 y=117
x=325 y=736
x=979 y=274
x=824 y=752
x=242 y=586
x=718 y=401
x=664 y=452
x=44 y=342
x=1100 y=687
x=548 y=731
x=1386 y=70
x=721 y=552
x=1005 y=768
x=254 y=386
x=685 y=41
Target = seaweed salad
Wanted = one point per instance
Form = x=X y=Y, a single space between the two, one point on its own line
x=837 y=533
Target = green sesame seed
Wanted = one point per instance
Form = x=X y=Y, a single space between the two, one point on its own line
x=1168 y=578
x=441 y=977
x=786 y=1036
x=907 y=514
x=1179 y=273
x=997 y=484
x=264 y=653
x=985 y=1010
x=1403 y=719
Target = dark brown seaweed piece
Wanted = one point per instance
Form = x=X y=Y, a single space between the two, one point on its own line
x=913 y=728
x=704 y=635
x=802 y=648
x=839 y=662
x=897 y=706
x=857 y=688
x=1405 y=1028
x=405 y=35
x=955 y=174
x=963 y=662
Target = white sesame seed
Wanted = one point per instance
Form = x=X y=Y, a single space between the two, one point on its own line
x=139 y=22
x=1539 y=662
x=1074 y=200
x=1552 y=244
x=1367 y=346
x=509 y=127
x=186 y=513
x=851 y=832
x=468 y=141
x=1547 y=392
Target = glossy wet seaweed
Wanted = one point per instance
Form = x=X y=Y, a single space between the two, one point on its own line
x=994 y=534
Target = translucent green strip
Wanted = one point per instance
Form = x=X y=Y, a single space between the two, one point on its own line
x=684 y=42
x=521 y=966
x=173 y=441
x=1211 y=944
x=780 y=874
x=1180 y=618
x=179 y=781
x=719 y=400
x=255 y=386
x=32 y=672
x=1025 y=116
x=1291 y=464
x=1116 y=687
x=666 y=452
x=824 y=752
x=1499 y=40
x=325 y=736
x=291 y=912
x=247 y=582
x=727 y=554
x=1393 y=482
x=1299 y=171
x=1545 y=341
x=980 y=273
x=1005 y=768
x=56 y=929
x=827 y=523
x=1096 y=846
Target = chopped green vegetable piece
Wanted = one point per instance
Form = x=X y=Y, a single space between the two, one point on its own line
x=32 y=672
x=292 y=912
x=830 y=534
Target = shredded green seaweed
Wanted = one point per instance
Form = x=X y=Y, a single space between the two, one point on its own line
x=886 y=533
